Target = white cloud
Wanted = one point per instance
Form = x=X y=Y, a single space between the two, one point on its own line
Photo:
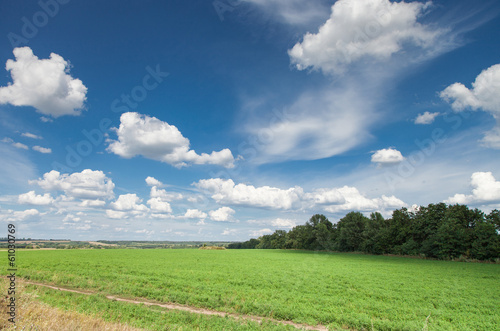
x=426 y=118
x=276 y=223
x=363 y=29
x=15 y=144
x=223 y=214
x=294 y=12
x=116 y=214
x=19 y=145
x=320 y=123
x=225 y=191
x=128 y=202
x=387 y=156
x=325 y=197
x=33 y=199
x=355 y=201
x=42 y=150
x=159 y=206
x=46 y=119
x=164 y=195
x=260 y=233
x=483 y=95
x=92 y=203
x=30 y=135
x=23 y=215
x=485 y=190
x=151 y=181
x=194 y=214
x=157 y=140
x=43 y=84
x=88 y=184
x=332 y=200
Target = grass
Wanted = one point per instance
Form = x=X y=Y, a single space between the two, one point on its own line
x=75 y=311
x=37 y=315
x=339 y=290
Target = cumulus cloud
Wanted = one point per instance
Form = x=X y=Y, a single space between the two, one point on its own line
x=92 y=203
x=43 y=84
x=486 y=189
x=387 y=156
x=42 y=150
x=482 y=96
x=114 y=214
x=88 y=184
x=33 y=199
x=363 y=29
x=128 y=202
x=157 y=140
x=194 y=214
x=332 y=200
x=151 y=181
x=223 y=214
x=164 y=195
x=225 y=191
x=426 y=118
x=159 y=206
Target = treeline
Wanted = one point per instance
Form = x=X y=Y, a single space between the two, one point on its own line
x=436 y=231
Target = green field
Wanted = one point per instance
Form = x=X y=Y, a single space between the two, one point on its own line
x=333 y=289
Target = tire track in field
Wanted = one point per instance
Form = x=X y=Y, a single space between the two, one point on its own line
x=195 y=310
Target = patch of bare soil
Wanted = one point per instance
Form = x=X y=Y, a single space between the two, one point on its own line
x=194 y=310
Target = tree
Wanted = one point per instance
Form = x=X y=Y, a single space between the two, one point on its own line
x=373 y=234
x=351 y=229
x=319 y=231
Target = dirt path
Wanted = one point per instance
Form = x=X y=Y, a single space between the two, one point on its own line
x=174 y=306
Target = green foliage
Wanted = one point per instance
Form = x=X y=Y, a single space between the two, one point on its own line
x=436 y=231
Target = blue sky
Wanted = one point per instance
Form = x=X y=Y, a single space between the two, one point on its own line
x=225 y=120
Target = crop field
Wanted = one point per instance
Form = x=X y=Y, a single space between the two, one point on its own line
x=339 y=291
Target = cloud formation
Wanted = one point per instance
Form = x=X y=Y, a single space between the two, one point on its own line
x=363 y=29
x=43 y=84
x=86 y=185
x=486 y=189
x=387 y=156
x=483 y=95
x=157 y=140
x=426 y=118
x=332 y=200
x=223 y=214
x=15 y=144
x=151 y=181
x=294 y=12
x=319 y=124
x=225 y=191
x=42 y=150
x=33 y=199
x=128 y=202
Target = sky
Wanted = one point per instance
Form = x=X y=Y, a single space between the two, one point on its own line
x=229 y=119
